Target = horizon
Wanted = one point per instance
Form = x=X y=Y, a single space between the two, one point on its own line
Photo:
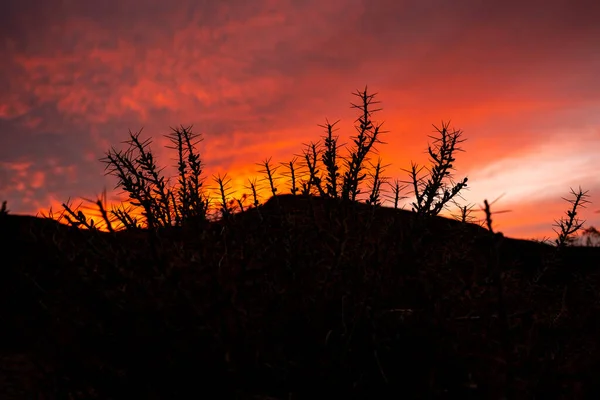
x=518 y=78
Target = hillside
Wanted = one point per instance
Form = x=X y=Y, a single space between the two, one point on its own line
x=303 y=297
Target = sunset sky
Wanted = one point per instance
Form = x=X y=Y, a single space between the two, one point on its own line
x=520 y=78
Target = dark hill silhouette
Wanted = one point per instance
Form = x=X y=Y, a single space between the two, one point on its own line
x=301 y=295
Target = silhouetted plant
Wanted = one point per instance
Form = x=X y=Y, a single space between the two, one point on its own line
x=570 y=225
x=328 y=184
x=4 y=210
x=465 y=213
x=376 y=181
x=397 y=189
x=432 y=192
x=364 y=141
x=488 y=215
x=126 y=217
x=252 y=188
x=310 y=156
x=270 y=175
x=240 y=202
x=224 y=189
x=78 y=219
x=191 y=203
x=291 y=175
x=329 y=159
x=140 y=177
x=104 y=214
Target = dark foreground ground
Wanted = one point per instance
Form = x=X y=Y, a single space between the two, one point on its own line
x=302 y=299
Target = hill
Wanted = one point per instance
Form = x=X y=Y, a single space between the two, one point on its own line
x=302 y=297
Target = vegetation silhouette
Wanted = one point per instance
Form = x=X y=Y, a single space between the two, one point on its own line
x=312 y=293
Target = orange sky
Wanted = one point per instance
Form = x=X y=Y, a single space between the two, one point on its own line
x=520 y=78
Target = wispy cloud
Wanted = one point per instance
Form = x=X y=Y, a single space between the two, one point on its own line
x=544 y=171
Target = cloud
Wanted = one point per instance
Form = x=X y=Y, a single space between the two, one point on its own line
x=546 y=170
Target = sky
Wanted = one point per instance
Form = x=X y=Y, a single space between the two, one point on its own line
x=256 y=78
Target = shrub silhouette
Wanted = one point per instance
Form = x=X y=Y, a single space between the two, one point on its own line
x=140 y=177
x=570 y=225
x=432 y=192
x=162 y=205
